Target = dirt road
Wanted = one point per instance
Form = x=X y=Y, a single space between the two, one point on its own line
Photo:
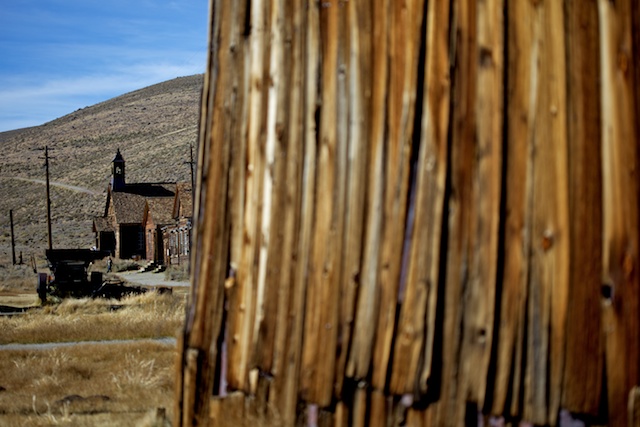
x=51 y=345
x=58 y=184
x=150 y=279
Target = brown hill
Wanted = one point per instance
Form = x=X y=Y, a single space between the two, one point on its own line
x=153 y=127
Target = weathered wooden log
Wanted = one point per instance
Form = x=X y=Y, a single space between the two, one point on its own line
x=582 y=376
x=290 y=303
x=274 y=192
x=620 y=205
x=242 y=316
x=321 y=317
x=199 y=350
x=366 y=301
x=356 y=54
x=517 y=235
x=405 y=36
x=416 y=325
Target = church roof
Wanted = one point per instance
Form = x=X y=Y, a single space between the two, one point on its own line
x=151 y=189
x=161 y=209
x=128 y=208
x=101 y=224
x=129 y=203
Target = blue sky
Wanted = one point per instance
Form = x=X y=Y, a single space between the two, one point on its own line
x=57 y=56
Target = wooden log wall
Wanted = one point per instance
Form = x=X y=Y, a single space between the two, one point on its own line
x=416 y=213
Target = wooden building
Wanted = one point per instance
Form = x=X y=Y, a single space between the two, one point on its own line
x=158 y=214
x=177 y=234
x=134 y=216
x=420 y=213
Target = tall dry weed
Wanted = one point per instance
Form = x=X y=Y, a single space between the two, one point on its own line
x=155 y=418
x=139 y=372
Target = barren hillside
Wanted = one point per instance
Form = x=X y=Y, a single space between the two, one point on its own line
x=153 y=127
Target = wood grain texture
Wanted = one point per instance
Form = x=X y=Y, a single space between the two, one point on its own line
x=517 y=230
x=243 y=313
x=620 y=206
x=321 y=320
x=416 y=324
x=203 y=325
x=488 y=148
x=584 y=357
x=358 y=77
x=549 y=256
x=480 y=294
x=461 y=210
x=309 y=130
x=633 y=407
x=274 y=186
x=290 y=303
x=404 y=35
x=291 y=300
x=366 y=302
x=474 y=207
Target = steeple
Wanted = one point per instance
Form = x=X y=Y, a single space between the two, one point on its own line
x=117 y=179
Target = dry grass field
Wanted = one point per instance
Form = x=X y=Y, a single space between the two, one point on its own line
x=120 y=380
x=86 y=385
x=145 y=316
x=115 y=364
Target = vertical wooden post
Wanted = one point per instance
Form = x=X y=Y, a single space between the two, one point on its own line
x=321 y=319
x=620 y=206
x=416 y=327
x=192 y=164
x=199 y=344
x=279 y=208
x=242 y=319
x=584 y=357
x=46 y=165
x=359 y=355
x=402 y=132
x=510 y=331
x=291 y=292
x=13 y=240
x=355 y=56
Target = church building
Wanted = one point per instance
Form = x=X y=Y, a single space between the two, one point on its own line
x=137 y=214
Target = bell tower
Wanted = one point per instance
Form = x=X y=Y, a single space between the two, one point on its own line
x=117 y=179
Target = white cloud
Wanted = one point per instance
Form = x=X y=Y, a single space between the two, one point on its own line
x=69 y=54
x=43 y=100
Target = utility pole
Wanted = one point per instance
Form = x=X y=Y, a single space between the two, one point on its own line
x=191 y=163
x=46 y=165
x=13 y=241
